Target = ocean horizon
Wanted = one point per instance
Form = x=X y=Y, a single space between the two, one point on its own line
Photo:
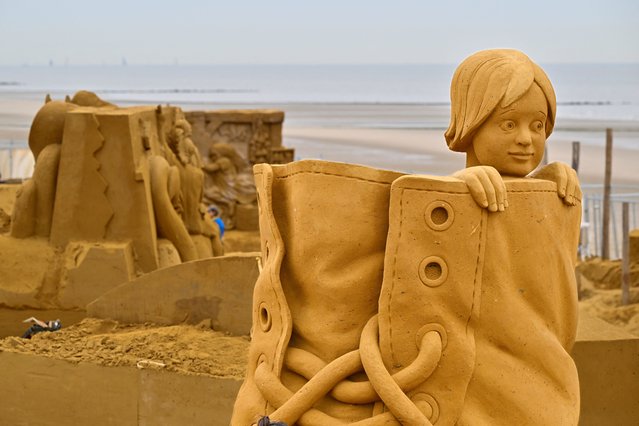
x=584 y=91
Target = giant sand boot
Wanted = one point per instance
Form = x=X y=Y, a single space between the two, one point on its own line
x=467 y=328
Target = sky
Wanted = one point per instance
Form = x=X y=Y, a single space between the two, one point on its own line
x=81 y=32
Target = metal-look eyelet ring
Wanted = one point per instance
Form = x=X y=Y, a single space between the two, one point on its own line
x=439 y=215
x=433 y=271
x=264 y=317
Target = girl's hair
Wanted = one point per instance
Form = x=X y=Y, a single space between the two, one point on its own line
x=485 y=80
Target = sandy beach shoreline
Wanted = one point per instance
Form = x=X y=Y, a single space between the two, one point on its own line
x=403 y=137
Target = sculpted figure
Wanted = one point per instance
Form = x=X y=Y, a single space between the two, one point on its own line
x=34 y=204
x=33 y=211
x=419 y=300
x=230 y=181
x=177 y=186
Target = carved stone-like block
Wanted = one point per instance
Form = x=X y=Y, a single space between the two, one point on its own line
x=255 y=134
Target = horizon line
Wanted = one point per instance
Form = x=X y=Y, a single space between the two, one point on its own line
x=189 y=64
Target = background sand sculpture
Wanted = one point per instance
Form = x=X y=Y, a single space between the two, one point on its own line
x=441 y=331
x=117 y=189
x=231 y=142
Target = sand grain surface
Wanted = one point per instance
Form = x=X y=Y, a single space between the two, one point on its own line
x=196 y=350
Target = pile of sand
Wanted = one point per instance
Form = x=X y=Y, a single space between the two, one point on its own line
x=185 y=349
x=606 y=274
x=606 y=304
x=600 y=292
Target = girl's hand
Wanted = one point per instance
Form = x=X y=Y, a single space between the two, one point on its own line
x=486 y=187
x=566 y=179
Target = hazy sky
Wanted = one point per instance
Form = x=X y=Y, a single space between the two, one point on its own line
x=305 y=31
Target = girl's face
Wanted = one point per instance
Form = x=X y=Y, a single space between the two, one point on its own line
x=512 y=139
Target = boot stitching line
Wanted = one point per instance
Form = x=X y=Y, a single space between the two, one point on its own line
x=382 y=182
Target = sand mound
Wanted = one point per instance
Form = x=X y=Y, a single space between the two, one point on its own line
x=196 y=350
x=606 y=304
x=600 y=292
x=606 y=274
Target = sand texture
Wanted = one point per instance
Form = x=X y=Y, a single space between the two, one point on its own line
x=600 y=292
x=193 y=350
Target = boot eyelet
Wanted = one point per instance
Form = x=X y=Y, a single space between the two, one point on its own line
x=261 y=359
x=433 y=271
x=439 y=215
x=421 y=400
x=431 y=327
x=265 y=317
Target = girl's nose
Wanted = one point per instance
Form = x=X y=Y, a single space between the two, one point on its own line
x=523 y=137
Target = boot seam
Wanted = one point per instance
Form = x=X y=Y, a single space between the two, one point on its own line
x=476 y=279
x=394 y=277
x=286 y=176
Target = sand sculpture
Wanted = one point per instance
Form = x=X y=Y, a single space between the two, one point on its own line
x=412 y=299
x=229 y=181
x=81 y=146
x=231 y=141
x=112 y=186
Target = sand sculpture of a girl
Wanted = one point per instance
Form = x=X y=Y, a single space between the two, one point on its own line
x=503 y=110
x=417 y=300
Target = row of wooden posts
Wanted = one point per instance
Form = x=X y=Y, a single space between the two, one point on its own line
x=625 y=215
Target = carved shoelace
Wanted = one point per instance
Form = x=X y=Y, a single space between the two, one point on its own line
x=391 y=390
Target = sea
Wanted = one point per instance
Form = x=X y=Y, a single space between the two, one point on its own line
x=584 y=91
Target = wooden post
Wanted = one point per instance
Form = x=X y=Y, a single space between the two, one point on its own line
x=605 y=226
x=575 y=155
x=625 y=254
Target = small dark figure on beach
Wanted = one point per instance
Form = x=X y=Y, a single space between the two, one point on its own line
x=40 y=326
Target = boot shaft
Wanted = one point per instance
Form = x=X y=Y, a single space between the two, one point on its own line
x=448 y=313
x=333 y=221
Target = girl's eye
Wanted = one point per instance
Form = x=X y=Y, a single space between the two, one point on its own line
x=507 y=125
x=538 y=126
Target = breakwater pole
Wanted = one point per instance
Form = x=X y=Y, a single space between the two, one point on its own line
x=625 y=256
x=576 y=146
x=605 y=226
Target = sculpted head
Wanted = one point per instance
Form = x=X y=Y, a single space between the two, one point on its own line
x=502 y=111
